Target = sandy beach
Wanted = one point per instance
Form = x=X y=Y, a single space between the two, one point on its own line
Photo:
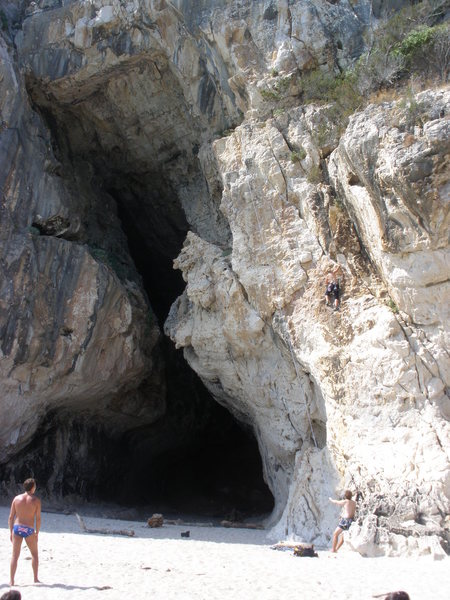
x=213 y=563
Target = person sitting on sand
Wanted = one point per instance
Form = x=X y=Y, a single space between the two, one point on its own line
x=25 y=510
x=348 y=514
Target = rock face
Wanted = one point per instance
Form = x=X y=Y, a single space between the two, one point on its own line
x=73 y=332
x=366 y=387
x=154 y=129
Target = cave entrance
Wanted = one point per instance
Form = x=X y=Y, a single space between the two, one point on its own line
x=213 y=471
x=197 y=460
x=132 y=139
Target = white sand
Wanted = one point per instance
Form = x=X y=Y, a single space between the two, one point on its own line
x=214 y=563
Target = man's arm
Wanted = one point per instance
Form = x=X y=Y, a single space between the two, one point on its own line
x=340 y=502
x=38 y=516
x=12 y=514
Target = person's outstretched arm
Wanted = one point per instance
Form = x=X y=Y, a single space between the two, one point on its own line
x=340 y=502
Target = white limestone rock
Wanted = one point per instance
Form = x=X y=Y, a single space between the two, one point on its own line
x=368 y=373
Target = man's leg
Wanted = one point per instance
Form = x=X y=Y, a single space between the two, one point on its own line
x=336 y=534
x=340 y=542
x=32 y=543
x=17 y=543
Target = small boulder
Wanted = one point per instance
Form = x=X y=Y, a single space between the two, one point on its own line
x=156 y=520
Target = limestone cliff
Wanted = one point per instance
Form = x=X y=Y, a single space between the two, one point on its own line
x=364 y=402
x=130 y=129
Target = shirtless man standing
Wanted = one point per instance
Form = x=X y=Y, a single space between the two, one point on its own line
x=25 y=510
x=348 y=514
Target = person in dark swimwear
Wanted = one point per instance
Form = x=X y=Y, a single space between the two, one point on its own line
x=348 y=514
x=25 y=512
x=332 y=293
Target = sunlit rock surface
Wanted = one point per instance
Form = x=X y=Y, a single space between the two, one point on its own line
x=370 y=374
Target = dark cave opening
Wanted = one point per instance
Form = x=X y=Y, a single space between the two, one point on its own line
x=214 y=472
x=217 y=476
x=152 y=249
x=196 y=462
x=197 y=459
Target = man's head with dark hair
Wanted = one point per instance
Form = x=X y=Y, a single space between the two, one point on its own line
x=29 y=484
x=348 y=495
x=11 y=595
x=397 y=596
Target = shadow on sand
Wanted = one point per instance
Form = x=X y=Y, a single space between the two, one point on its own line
x=64 y=586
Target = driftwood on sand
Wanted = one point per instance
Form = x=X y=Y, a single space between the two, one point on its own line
x=299 y=549
x=188 y=523
x=104 y=531
x=238 y=525
x=284 y=545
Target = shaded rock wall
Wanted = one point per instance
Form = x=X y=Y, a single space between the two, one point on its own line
x=73 y=331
